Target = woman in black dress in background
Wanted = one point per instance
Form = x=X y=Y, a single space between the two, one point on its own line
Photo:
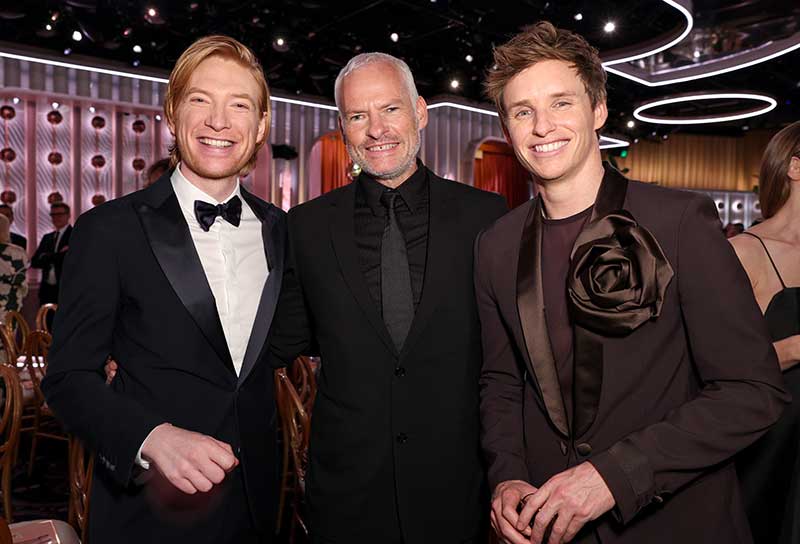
x=769 y=470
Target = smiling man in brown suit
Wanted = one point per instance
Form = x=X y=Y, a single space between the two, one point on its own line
x=625 y=360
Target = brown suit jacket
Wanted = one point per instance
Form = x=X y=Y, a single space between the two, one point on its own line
x=661 y=410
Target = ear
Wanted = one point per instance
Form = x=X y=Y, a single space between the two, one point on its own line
x=600 y=115
x=263 y=128
x=422 y=113
x=794 y=169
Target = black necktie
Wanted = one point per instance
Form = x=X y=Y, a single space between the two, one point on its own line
x=397 y=300
x=206 y=213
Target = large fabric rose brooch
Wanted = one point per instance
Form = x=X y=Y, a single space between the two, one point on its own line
x=618 y=276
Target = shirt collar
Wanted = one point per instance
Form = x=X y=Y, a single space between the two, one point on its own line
x=187 y=193
x=413 y=190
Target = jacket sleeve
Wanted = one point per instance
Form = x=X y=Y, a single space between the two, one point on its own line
x=113 y=425
x=42 y=258
x=741 y=393
x=292 y=334
x=501 y=383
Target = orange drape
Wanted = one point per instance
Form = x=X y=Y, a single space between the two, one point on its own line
x=335 y=161
x=691 y=161
x=499 y=171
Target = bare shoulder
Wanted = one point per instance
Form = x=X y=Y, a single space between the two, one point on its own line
x=751 y=254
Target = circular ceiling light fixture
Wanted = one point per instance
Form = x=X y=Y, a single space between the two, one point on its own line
x=768 y=104
x=610 y=27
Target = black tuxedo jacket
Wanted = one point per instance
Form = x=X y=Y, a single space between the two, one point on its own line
x=660 y=411
x=134 y=289
x=389 y=427
x=48 y=256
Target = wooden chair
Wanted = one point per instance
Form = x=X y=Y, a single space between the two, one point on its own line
x=11 y=404
x=45 y=425
x=9 y=346
x=42 y=315
x=5 y=533
x=81 y=466
x=296 y=427
x=304 y=380
x=18 y=330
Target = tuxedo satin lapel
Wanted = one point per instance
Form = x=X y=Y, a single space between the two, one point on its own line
x=174 y=249
x=273 y=234
x=343 y=238
x=589 y=362
x=443 y=218
x=530 y=305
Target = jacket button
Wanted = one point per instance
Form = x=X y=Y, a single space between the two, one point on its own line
x=402 y=438
x=584 y=449
x=399 y=371
x=563 y=446
x=658 y=499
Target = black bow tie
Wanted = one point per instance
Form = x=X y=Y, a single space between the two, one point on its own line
x=206 y=213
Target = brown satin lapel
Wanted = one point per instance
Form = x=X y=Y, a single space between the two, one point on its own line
x=530 y=305
x=588 y=377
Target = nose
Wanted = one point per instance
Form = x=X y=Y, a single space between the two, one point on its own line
x=376 y=128
x=217 y=117
x=542 y=124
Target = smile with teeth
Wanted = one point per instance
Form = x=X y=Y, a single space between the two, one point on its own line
x=215 y=143
x=382 y=147
x=544 y=148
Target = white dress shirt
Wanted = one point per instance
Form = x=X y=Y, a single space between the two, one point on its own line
x=235 y=265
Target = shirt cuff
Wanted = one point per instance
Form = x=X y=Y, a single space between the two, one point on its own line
x=140 y=461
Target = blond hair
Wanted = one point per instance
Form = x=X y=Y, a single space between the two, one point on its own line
x=540 y=42
x=214 y=46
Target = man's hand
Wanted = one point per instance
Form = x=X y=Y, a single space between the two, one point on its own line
x=191 y=461
x=110 y=370
x=577 y=495
x=506 y=499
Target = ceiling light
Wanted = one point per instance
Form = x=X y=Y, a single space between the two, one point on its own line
x=48 y=27
x=55 y=105
x=454 y=84
x=152 y=12
x=158 y=117
x=67 y=51
x=280 y=41
x=468 y=58
x=631 y=124
x=127 y=31
x=77 y=36
x=636 y=140
x=136 y=63
x=394 y=37
x=665 y=137
x=610 y=27
x=137 y=48
x=54 y=16
x=696 y=54
x=92 y=109
x=15 y=100
x=579 y=16
x=770 y=102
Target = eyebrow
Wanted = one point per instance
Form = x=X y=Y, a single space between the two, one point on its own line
x=526 y=102
x=244 y=96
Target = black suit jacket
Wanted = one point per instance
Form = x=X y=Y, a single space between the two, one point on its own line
x=134 y=288
x=389 y=426
x=48 y=256
x=19 y=240
x=659 y=411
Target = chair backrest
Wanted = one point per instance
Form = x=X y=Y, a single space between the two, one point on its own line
x=10 y=352
x=295 y=422
x=17 y=329
x=11 y=405
x=301 y=373
x=81 y=466
x=36 y=351
x=5 y=533
x=41 y=316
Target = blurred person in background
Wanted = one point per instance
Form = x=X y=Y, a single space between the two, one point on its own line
x=13 y=265
x=770 y=253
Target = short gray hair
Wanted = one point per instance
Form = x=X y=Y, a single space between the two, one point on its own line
x=364 y=59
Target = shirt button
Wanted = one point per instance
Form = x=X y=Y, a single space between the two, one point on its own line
x=402 y=438
x=399 y=371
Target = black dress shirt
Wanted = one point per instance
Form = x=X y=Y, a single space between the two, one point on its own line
x=412 y=215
